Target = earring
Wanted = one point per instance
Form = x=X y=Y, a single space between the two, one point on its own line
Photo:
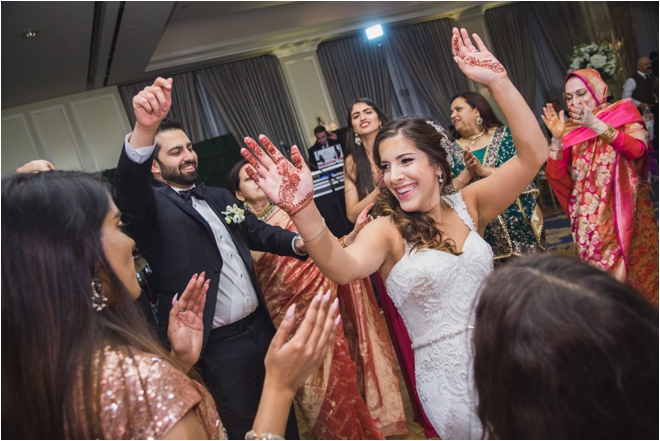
x=479 y=120
x=440 y=179
x=99 y=301
x=357 y=139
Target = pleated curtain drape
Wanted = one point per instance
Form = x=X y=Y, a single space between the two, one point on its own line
x=185 y=103
x=252 y=98
x=425 y=52
x=508 y=27
x=355 y=68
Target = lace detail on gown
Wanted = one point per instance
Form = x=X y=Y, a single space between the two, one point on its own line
x=435 y=293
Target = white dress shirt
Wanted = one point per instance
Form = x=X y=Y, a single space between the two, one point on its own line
x=629 y=87
x=236 y=297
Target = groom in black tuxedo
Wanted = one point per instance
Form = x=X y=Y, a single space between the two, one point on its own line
x=181 y=230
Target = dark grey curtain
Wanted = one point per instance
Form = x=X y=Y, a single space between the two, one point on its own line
x=426 y=54
x=562 y=23
x=355 y=68
x=185 y=103
x=508 y=27
x=253 y=99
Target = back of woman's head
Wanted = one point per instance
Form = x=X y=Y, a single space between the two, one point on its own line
x=417 y=228
x=51 y=252
x=364 y=179
x=564 y=350
x=233 y=179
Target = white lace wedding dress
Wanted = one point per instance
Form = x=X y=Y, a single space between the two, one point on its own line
x=435 y=293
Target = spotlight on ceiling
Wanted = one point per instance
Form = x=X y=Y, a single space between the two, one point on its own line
x=374 y=31
x=30 y=33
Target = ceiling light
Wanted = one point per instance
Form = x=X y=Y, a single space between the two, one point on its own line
x=374 y=31
x=30 y=33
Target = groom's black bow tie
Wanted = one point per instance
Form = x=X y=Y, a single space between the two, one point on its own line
x=199 y=192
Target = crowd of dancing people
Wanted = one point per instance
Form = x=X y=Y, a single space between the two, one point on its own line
x=260 y=306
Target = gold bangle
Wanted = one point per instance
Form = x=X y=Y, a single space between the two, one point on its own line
x=342 y=242
x=317 y=236
x=609 y=135
x=461 y=181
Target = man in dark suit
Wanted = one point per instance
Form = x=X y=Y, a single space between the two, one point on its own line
x=181 y=230
x=326 y=151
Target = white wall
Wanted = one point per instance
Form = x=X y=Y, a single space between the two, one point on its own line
x=75 y=132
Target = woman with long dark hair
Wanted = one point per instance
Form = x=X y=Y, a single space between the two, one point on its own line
x=481 y=145
x=428 y=248
x=363 y=188
x=565 y=351
x=78 y=357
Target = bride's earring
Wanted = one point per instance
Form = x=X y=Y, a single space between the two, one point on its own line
x=440 y=178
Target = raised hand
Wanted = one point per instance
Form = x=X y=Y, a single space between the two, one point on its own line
x=288 y=185
x=186 y=328
x=289 y=363
x=554 y=122
x=477 y=63
x=582 y=114
x=36 y=166
x=152 y=103
x=363 y=219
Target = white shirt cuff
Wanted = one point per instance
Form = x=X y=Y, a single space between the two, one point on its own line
x=140 y=154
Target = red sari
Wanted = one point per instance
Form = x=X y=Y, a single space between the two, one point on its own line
x=603 y=190
x=347 y=398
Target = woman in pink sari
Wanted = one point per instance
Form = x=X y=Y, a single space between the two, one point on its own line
x=355 y=393
x=598 y=168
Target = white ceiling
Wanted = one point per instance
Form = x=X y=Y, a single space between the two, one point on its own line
x=89 y=45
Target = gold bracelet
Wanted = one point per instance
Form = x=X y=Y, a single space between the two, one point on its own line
x=317 y=236
x=342 y=242
x=461 y=181
x=609 y=135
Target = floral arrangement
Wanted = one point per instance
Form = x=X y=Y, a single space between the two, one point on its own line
x=234 y=214
x=598 y=56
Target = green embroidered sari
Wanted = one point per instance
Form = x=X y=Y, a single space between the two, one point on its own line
x=518 y=230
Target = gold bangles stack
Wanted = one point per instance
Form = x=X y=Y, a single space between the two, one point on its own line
x=609 y=135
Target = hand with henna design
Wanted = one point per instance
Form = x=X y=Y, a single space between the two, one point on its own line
x=288 y=185
x=477 y=63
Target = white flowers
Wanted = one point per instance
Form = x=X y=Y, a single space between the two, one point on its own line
x=597 y=56
x=234 y=214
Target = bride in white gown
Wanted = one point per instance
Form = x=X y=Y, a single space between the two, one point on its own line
x=427 y=248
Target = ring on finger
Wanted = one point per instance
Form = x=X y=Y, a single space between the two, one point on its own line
x=182 y=309
x=474 y=50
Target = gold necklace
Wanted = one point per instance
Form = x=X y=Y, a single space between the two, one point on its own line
x=472 y=140
x=263 y=214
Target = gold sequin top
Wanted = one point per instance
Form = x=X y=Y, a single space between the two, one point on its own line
x=143 y=397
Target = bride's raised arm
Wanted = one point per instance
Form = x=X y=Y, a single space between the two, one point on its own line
x=291 y=187
x=492 y=195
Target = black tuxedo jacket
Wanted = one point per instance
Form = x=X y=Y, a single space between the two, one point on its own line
x=178 y=242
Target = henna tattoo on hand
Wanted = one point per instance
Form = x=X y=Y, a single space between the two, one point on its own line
x=252 y=174
x=456 y=47
x=495 y=66
x=304 y=202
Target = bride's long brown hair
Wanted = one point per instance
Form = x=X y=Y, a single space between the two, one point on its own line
x=416 y=227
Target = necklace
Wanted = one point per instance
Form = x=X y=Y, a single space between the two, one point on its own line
x=263 y=214
x=472 y=140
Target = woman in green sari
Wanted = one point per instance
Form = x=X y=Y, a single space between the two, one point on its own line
x=481 y=144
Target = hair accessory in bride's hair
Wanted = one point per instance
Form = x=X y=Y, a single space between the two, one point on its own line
x=445 y=143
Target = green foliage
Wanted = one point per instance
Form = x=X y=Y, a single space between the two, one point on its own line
x=215 y=158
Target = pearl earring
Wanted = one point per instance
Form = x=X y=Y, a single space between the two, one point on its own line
x=440 y=179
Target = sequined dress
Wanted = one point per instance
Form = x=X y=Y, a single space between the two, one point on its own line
x=435 y=291
x=143 y=397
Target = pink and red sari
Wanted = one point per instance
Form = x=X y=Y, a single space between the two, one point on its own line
x=355 y=392
x=604 y=192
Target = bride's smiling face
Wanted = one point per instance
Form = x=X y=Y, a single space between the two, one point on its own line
x=409 y=175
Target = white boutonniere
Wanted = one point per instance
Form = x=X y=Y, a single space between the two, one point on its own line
x=234 y=214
